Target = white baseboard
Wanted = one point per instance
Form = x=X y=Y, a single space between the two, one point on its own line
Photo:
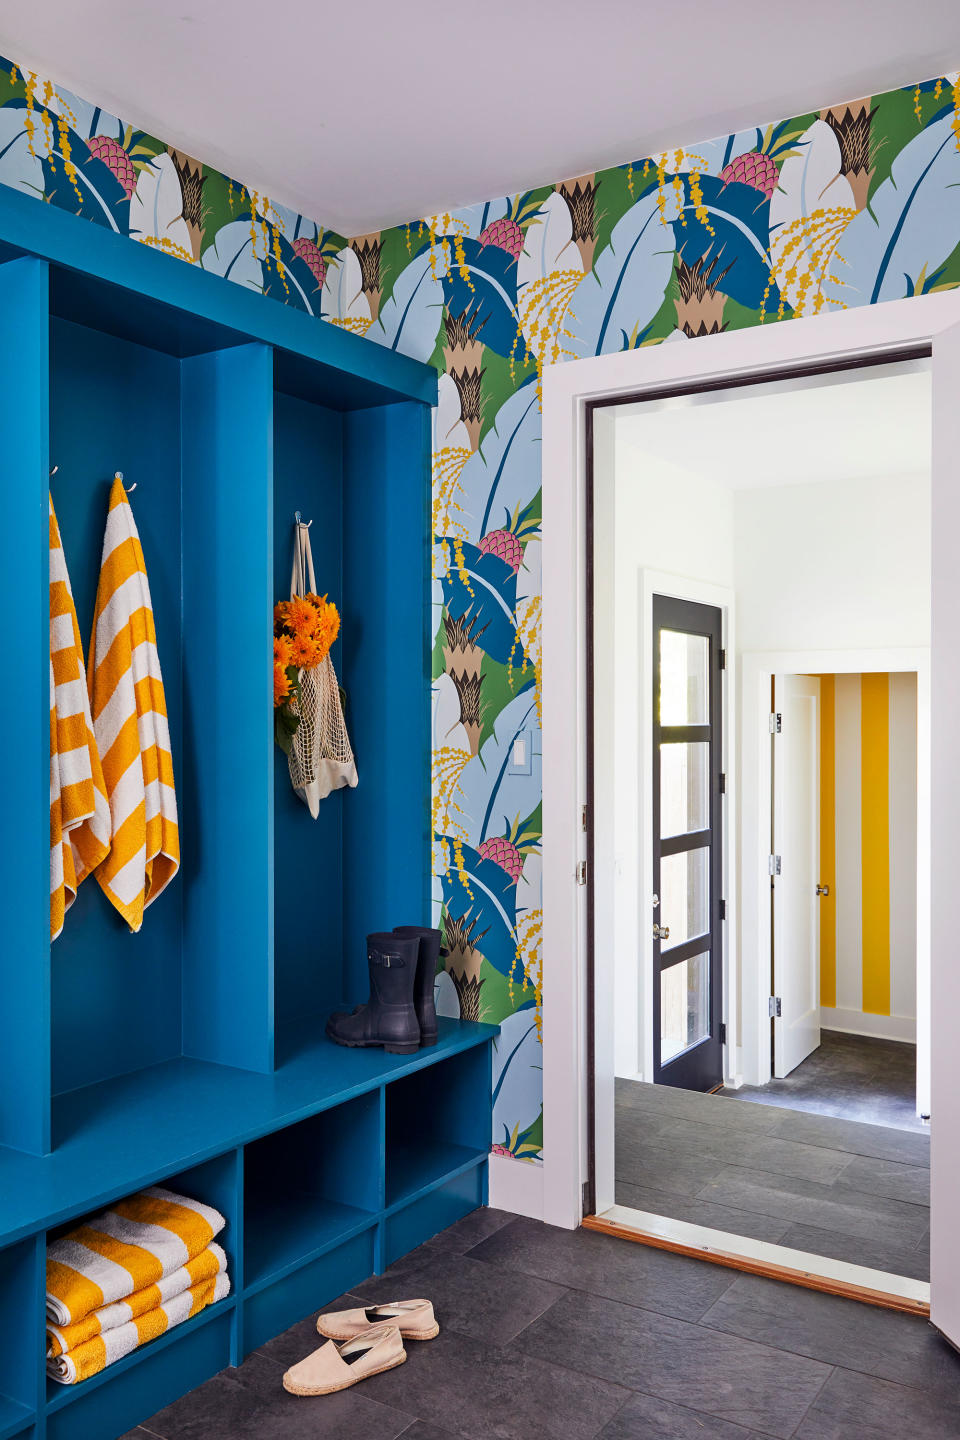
x=880 y=1027
x=517 y=1186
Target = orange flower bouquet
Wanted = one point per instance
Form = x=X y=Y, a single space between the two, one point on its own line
x=304 y=628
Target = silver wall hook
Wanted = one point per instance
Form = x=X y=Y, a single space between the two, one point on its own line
x=118 y=475
x=305 y=523
x=53 y=470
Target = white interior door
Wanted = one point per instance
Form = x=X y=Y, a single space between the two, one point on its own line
x=796 y=847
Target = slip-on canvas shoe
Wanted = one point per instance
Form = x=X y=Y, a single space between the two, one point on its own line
x=413 y=1318
x=338 y=1365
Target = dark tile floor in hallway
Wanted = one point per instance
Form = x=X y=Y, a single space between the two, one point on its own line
x=854 y=1076
x=560 y=1335
x=818 y=1182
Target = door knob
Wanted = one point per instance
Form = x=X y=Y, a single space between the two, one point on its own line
x=661 y=932
x=823 y=889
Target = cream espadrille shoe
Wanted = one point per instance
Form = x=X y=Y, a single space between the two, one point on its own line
x=413 y=1318
x=337 y=1366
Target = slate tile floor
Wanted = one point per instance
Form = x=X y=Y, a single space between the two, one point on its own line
x=815 y=1181
x=558 y=1335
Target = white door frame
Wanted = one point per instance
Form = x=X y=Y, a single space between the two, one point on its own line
x=756 y=670
x=867 y=331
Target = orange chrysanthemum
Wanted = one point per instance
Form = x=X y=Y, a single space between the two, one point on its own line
x=304 y=651
x=283 y=650
x=301 y=617
x=328 y=624
x=281 y=684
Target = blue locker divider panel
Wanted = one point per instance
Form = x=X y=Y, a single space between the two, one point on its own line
x=409 y=1227
x=115 y=405
x=22 y=1335
x=25 y=723
x=308 y=473
x=277 y=1307
x=386 y=609
x=227 y=829
x=138 y=1386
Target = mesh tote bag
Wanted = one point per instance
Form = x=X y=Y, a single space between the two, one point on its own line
x=321 y=757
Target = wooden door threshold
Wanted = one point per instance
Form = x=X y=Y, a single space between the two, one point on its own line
x=758 y=1257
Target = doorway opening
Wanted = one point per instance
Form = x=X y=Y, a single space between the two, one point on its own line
x=761 y=863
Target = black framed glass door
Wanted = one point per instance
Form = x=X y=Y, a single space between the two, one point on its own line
x=687 y=904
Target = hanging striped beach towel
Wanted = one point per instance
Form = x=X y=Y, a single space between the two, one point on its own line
x=130 y=723
x=79 y=813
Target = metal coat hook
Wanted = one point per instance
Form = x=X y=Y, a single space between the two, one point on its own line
x=118 y=475
x=305 y=523
x=53 y=470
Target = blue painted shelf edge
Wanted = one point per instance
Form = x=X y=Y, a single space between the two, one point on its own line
x=14 y=1417
x=155 y=1123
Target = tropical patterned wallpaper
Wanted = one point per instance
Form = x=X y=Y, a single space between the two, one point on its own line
x=851 y=205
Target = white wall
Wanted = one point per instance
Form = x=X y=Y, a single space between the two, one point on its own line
x=843 y=565
x=838 y=566
x=655 y=517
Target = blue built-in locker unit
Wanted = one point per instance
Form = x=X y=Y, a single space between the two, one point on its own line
x=193 y=1054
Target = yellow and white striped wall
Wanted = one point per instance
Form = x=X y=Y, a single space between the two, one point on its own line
x=868 y=854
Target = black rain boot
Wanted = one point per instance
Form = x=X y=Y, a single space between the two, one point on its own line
x=426 y=975
x=389 y=1019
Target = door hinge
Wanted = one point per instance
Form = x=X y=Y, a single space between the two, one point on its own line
x=774 y=1007
x=583 y=817
x=723 y=909
x=722 y=656
x=773 y=864
x=582 y=873
x=723 y=783
x=776 y=723
x=723 y=1033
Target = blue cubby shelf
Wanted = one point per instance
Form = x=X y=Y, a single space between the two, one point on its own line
x=193 y=1054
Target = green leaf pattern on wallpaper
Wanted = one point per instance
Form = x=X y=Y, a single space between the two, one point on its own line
x=856 y=204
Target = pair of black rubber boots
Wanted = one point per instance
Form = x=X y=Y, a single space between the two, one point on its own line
x=400 y=1014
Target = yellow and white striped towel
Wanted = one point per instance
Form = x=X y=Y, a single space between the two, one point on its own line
x=130 y=722
x=206 y=1266
x=79 y=813
x=134 y=1244
x=95 y=1355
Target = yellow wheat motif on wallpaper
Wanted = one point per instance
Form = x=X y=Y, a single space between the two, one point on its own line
x=529 y=959
x=803 y=253
x=542 y=311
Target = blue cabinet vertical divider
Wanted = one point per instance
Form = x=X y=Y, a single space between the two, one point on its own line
x=193 y=1054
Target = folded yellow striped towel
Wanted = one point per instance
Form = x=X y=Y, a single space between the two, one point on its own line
x=206 y=1266
x=79 y=813
x=95 y=1355
x=130 y=722
x=134 y=1244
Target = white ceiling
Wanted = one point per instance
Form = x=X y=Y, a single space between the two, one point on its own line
x=854 y=426
x=368 y=113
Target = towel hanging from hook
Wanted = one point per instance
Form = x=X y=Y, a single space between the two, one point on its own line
x=305 y=523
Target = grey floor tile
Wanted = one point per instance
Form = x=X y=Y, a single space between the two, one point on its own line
x=601 y=1265
x=482 y=1391
x=139 y=1434
x=419 y=1431
x=889 y=1178
x=898 y=1259
x=881 y=1141
x=472 y=1297
x=859 y=1407
x=700 y=1212
x=738 y=1380
x=884 y=1343
x=286 y=1349
x=644 y=1417
x=760 y=1152
x=806 y=1203
x=664 y=1167
x=251 y=1402
x=471 y=1229
x=664 y=1101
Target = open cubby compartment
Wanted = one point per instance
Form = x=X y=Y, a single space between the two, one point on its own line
x=309 y=1186
x=215 y=1182
x=21 y=1326
x=407 y=1226
x=437 y=1124
x=360 y=478
x=281 y=1303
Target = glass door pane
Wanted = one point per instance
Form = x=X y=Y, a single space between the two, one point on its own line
x=684 y=788
x=684 y=679
x=684 y=1006
x=685 y=895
